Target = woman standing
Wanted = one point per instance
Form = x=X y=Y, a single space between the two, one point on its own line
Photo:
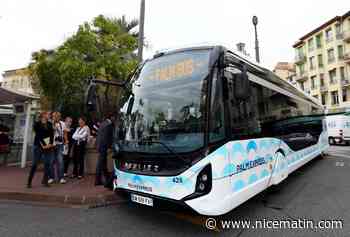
x=80 y=138
x=68 y=144
x=42 y=148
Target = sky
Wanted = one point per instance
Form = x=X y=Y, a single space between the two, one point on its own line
x=30 y=25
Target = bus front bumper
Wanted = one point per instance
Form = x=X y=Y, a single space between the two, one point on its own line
x=215 y=203
x=157 y=201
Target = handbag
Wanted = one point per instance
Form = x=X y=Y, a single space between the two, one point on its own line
x=65 y=149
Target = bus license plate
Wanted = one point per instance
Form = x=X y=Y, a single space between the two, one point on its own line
x=142 y=200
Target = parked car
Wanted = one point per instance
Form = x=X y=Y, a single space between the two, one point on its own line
x=338 y=127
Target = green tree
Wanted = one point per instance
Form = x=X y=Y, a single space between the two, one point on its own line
x=102 y=49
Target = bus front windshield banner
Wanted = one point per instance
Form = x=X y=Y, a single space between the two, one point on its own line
x=169 y=103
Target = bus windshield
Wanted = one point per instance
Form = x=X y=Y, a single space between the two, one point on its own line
x=169 y=97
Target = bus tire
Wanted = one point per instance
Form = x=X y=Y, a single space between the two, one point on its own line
x=322 y=155
x=331 y=141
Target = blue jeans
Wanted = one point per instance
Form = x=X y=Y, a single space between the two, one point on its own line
x=39 y=155
x=58 y=157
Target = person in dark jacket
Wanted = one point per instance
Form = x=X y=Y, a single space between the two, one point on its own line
x=4 y=143
x=42 y=148
x=104 y=140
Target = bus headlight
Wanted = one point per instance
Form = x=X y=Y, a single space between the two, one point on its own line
x=204 y=177
x=203 y=184
x=201 y=187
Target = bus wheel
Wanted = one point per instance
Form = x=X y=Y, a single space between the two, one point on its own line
x=331 y=141
x=322 y=155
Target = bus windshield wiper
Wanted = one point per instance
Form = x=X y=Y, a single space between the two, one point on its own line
x=167 y=148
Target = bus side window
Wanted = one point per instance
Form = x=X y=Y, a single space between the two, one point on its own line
x=217 y=128
x=243 y=114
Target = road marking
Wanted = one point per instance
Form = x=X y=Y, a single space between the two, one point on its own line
x=193 y=219
x=340 y=155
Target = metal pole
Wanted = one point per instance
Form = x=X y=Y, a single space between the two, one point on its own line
x=141 y=31
x=28 y=107
x=257 y=54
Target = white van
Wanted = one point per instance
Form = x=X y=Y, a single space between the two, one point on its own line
x=338 y=127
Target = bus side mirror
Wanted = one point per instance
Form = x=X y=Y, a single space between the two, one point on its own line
x=242 y=86
x=91 y=98
x=130 y=105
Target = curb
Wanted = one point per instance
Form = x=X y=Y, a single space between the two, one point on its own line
x=65 y=201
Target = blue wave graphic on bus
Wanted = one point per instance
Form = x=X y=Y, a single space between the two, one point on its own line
x=247 y=162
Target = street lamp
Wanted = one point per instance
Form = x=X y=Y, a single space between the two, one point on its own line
x=141 y=31
x=255 y=23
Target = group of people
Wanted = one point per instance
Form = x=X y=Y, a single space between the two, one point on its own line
x=58 y=144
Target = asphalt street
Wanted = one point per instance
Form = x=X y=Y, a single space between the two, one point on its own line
x=318 y=191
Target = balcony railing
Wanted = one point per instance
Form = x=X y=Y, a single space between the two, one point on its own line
x=323 y=88
x=301 y=77
x=346 y=57
x=331 y=60
x=339 y=36
x=345 y=82
x=333 y=81
x=346 y=36
x=329 y=39
x=300 y=58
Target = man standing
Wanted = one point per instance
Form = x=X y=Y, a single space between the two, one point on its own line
x=103 y=142
x=42 y=148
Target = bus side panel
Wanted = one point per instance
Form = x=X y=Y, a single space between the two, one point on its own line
x=247 y=174
x=296 y=159
x=253 y=161
x=245 y=181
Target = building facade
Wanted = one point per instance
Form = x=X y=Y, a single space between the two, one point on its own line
x=286 y=71
x=17 y=80
x=322 y=59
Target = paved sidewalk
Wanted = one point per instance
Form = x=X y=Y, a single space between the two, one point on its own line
x=75 y=193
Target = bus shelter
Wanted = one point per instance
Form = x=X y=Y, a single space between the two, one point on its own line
x=25 y=101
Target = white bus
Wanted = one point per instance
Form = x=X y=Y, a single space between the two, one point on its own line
x=208 y=129
x=338 y=128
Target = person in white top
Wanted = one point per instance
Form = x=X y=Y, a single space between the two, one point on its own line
x=80 y=138
x=58 y=143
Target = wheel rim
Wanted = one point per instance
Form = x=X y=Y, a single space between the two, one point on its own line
x=331 y=141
